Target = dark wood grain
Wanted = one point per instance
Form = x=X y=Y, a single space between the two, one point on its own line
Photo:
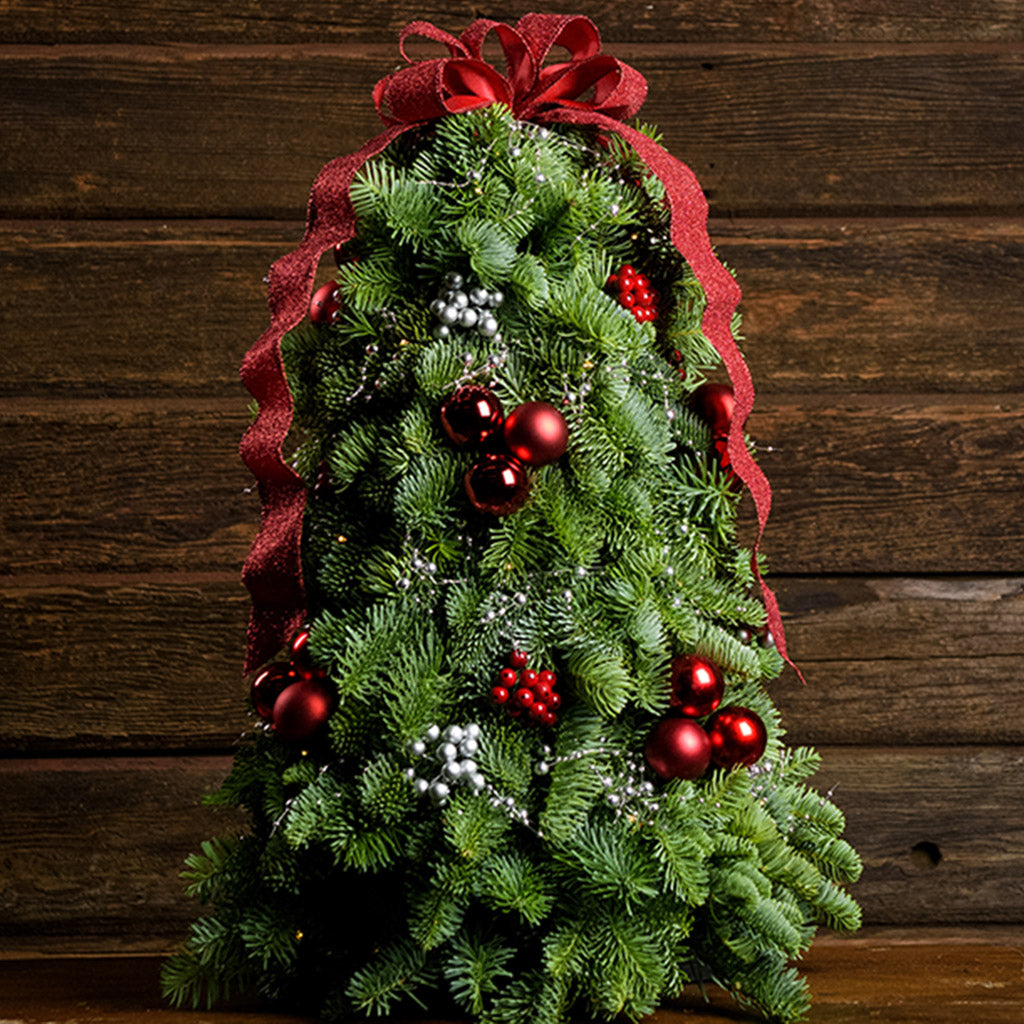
x=136 y=487
x=905 y=484
x=862 y=484
x=186 y=131
x=152 y=665
x=47 y=21
x=903 y=661
x=168 y=309
x=899 y=982
x=155 y=665
x=92 y=847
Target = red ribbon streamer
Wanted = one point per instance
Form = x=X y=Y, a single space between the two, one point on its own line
x=413 y=96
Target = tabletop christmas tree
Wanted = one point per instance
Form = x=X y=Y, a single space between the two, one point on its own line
x=514 y=756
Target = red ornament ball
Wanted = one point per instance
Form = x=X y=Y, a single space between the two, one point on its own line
x=507 y=677
x=536 y=433
x=497 y=485
x=696 y=686
x=268 y=685
x=302 y=659
x=678 y=748
x=302 y=709
x=737 y=736
x=471 y=414
x=499 y=695
x=715 y=403
x=325 y=304
x=518 y=659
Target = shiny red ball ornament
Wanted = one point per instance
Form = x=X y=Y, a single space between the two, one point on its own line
x=268 y=685
x=508 y=677
x=302 y=709
x=302 y=659
x=325 y=304
x=715 y=403
x=696 y=686
x=538 y=711
x=497 y=485
x=499 y=695
x=678 y=748
x=536 y=433
x=528 y=677
x=518 y=659
x=737 y=736
x=471 y=414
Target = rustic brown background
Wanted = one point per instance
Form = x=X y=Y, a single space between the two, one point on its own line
x=865 y=165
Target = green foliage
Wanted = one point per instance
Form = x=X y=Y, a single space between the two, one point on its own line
x=567 y=878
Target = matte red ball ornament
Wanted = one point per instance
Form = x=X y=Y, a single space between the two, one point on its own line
x=325 y=304
x=536 y=433
x=497 y=485
x=471 y=414
x=302 y=709
x=715 y=403
x=737 y=736
x=678 y=748
x=268 y=686
x=696 y=686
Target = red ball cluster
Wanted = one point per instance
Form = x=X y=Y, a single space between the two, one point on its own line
x=533 y=434
x=679 y=747
x=294 y=695
x=524 y=692
x=635 y=293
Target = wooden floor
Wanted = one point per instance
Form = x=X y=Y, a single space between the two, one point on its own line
x=894 y=978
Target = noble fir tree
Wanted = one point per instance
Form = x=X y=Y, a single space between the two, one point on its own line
x=524 y=762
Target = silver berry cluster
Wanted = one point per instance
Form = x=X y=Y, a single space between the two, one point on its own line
x=626 y=790
x=451 y=761
x=458 y=305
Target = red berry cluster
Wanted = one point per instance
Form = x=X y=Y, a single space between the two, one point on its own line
x=523 y=691
x=294 y=695
x=635 y=293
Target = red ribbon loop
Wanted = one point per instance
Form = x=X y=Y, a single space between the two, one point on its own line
x=413 y=96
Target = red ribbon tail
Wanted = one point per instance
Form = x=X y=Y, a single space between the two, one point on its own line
x=273 y=568
x=689 y=214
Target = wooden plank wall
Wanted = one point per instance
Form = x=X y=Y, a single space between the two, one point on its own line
x=865 y=165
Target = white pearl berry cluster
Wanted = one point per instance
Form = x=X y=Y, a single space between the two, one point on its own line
x=451 y=754
x=457 y=307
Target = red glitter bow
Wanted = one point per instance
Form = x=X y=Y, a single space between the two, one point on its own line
x=413 y=96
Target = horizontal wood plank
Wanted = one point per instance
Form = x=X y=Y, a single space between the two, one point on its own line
x=863 y=483
x=156 y=665
x=187 y=131
x=168 y=309
x=92 y=848
x=904 y=484
x=89 y=21
x=139 y=666
x=971 y=977
x=896 y=660
x=137 y=487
